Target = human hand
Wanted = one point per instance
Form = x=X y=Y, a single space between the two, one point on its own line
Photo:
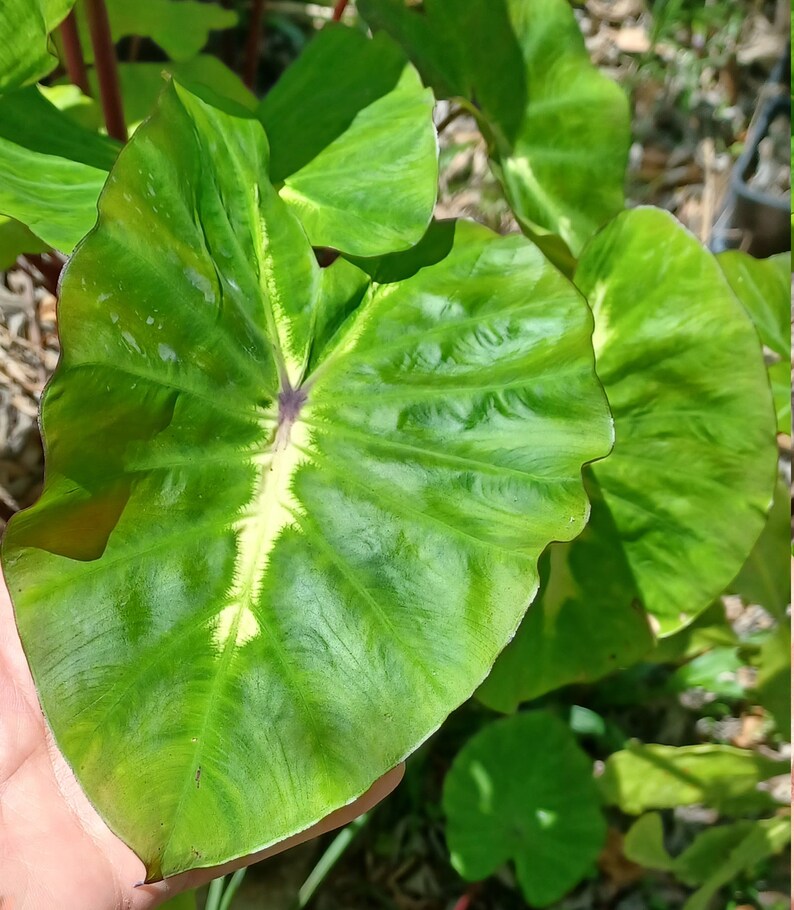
x=55 y=850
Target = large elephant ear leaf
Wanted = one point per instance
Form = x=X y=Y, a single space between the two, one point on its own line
x=693 y=471
x=289 y=520
x=355 y=149
x=25 y=50
x=558 y=129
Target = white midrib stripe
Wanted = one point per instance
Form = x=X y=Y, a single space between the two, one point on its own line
x=271 y=508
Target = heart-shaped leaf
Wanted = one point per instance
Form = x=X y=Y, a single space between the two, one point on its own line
x=558 y=128
x=291 y=514
x=355 y=149
x=25 y=27
x=53 y=169
x=521 y=789
x=693 y=469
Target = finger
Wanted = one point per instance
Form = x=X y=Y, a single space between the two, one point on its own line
x=377 y=792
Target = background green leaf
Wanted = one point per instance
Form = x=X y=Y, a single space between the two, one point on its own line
x=356 y=153
x=585 y=623
x=53 y=169
x=762 y=839
x=142 y=83
x=558 y=128
x=765 y=578
x=773 y=682
x=652 y=776
x=253 y=583
x=692 y=472
x=16 y=239
x=764 y=288
x=25 y=26
x=521 y=789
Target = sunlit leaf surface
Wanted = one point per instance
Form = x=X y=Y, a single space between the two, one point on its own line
x=693 y=470
x=52 y=169
x=292 y=514
x=558 y=128
x=25 y=50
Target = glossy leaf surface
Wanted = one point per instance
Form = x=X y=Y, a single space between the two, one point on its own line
x=354 y=146
x=692 y=472
x=53 y=169
x=25 y=26
x=652 y=776
x=558 y=128
x=240 y=577
x=521 y=789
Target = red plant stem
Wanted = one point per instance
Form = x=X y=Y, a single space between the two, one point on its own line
x=73 y=51
x=253 y=43
x=105 y=65
x=341 y=6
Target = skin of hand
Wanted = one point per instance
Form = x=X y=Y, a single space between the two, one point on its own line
x=55 y=850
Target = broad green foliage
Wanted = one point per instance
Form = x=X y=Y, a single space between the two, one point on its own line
x=16 y=239
x=709 y=629
x=773 y=682
x=180 y=27
x=355 y=147
x=363 y=211
x=82 y=109
x=558 y=129
x=303 y=496
x=25 y=26
x=142 y=83
x=764 y=578
x=692 y=472
x=521 y=789
x=764 y=288
x=52 y=168
x=658 y=777
x=585 y=623
x=714 y=858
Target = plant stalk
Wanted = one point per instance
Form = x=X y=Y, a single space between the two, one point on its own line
x=253 y=43
x=106 y=69
x=341 y=6
x=73 y=51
